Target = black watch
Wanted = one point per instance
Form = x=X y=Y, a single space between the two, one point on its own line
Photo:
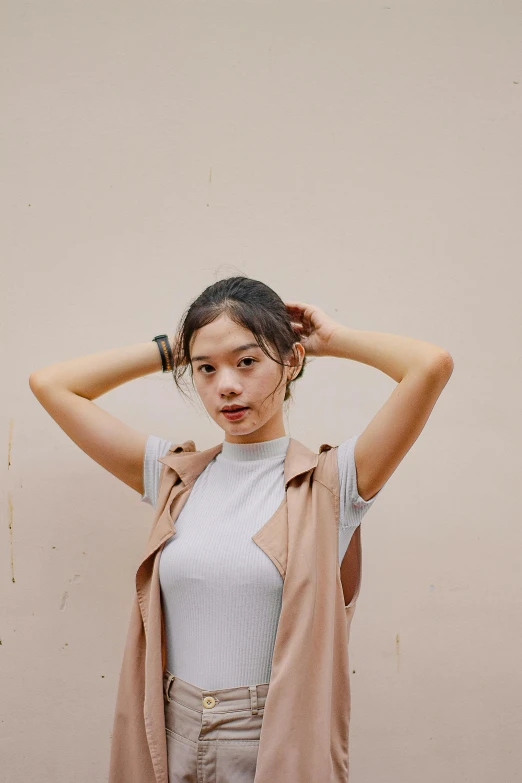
x=167 y=359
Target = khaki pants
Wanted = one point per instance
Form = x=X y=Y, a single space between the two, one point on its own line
x=212 y=736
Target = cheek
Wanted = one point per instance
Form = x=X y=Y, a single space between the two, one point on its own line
x=200 y=388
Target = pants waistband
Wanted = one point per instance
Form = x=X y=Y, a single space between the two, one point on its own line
x=243 y=697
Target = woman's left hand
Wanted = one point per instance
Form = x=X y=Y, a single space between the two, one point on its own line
x=313 y=325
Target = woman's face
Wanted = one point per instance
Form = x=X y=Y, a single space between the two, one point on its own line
x=224 y=375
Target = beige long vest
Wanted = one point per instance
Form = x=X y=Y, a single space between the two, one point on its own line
x=304 y=735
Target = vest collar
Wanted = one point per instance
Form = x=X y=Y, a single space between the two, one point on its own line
x=188 y=463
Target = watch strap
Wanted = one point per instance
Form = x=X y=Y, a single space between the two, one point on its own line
x=167 y=359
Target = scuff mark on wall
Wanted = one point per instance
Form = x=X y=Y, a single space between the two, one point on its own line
x=398 y=652
x=76 y=579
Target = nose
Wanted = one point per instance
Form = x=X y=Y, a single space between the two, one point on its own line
x=229 y=383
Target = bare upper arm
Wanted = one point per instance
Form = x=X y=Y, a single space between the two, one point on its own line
x=111 y=443
x=397 y=425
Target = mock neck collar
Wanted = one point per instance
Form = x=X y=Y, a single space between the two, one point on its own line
x=242 y=452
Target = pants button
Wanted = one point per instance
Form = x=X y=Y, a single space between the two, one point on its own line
x=209 y=701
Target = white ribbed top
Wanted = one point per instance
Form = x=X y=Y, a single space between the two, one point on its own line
x=221 y=595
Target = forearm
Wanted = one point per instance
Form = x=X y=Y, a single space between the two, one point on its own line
x=393 y=354
x=97 y=373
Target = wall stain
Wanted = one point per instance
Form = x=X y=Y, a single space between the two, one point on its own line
x=397 y=652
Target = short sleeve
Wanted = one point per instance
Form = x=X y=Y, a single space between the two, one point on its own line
x=155 y=448
x=352 y=506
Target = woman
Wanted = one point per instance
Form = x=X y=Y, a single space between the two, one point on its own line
x=223 y=607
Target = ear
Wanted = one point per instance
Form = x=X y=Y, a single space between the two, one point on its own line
x=301 y=352
x=297 y=359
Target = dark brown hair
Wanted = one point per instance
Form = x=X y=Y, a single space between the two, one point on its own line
x=249 y=303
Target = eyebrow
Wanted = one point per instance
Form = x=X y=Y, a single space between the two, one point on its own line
x=234 y=350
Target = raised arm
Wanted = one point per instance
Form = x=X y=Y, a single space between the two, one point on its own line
x=67 y=389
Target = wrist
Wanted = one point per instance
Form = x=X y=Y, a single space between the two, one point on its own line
x=165 y=350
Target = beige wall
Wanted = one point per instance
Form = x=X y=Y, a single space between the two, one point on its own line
x=361 y=156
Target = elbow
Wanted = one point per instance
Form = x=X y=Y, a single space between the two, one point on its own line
x=35 y=382
x=447 y=364
x=442 y=364
x=32 y=381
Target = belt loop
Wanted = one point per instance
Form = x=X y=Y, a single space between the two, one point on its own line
x=169 y=683
x=253 y=699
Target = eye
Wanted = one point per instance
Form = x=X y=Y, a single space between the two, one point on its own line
x=246 y=359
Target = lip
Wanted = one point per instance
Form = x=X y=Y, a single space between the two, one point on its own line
x=235 y=415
